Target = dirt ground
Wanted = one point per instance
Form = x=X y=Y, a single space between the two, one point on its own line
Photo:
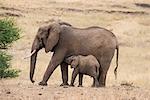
x=129 y=20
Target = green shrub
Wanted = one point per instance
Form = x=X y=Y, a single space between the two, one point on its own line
x=5 y=70
x=9 y=32
x=4 y=60
x=10 y=73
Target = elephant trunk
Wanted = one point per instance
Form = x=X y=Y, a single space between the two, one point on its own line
x=34 y=52
x=32 y=66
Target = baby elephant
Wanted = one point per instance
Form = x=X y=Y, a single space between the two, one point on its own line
x=87 y=65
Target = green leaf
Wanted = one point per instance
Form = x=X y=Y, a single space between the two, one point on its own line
x=9 y=32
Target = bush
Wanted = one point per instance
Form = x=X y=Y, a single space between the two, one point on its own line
x=9 y=32
x=4 y=60
x=5 y=70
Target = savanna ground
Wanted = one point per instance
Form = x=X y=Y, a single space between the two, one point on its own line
x=129 y=20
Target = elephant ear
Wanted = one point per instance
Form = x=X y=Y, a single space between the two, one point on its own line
x=53 y=36
x=75 y=62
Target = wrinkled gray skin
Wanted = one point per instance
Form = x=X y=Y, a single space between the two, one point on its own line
x=65 y=40
x=87 y=65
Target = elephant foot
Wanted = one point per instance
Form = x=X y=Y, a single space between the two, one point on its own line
x=71 y=85
x=101 y=85
x=43 y=83
x=32 y=81
x=80 y=86
x=64 y=84
x=95 y=85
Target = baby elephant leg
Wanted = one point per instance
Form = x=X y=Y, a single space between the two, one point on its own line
x=95 y=74
x=80 y=80
x=74 y=75
x=95 y=82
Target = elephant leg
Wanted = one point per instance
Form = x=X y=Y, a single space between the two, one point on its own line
x=74 y=75
x=105 y=64
x=102 y=79
x=95 y=79
x=96 y=82
x=56 y=60
x=64 y=71
x=80 y=80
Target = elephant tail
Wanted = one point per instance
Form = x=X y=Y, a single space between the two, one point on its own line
x=117 y=56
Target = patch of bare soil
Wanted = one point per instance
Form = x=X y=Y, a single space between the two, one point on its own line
x=21 y=91
x=9 y=8
x=10 y=14
x=103 y=11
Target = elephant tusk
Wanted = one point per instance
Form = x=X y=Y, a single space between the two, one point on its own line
x=30 y=54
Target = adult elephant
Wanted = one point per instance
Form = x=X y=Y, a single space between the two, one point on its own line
x=65 y=40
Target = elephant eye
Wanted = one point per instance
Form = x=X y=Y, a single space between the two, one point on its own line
x=38 y=37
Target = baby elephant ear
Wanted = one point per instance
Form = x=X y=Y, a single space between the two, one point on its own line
x=68 y=60
x=53 y=37
x=75 y=63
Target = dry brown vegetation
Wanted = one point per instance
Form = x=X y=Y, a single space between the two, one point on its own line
x=129 y=20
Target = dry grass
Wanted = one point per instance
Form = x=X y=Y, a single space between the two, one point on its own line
x=131 y=29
